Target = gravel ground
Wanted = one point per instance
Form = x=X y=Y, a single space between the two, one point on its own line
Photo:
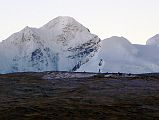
x=28 y=96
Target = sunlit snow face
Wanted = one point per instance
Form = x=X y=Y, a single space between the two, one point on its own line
x=63 y=44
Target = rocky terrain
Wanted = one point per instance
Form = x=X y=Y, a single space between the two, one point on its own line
x=44 y=96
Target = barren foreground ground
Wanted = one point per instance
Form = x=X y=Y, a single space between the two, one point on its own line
x=34 y=96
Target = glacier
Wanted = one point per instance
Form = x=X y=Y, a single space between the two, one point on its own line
x=63 y=44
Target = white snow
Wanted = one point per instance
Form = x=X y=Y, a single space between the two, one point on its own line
x=60 y=45
x=119 y=55
x=153 y=40
x=64 y=44
x=58 y=75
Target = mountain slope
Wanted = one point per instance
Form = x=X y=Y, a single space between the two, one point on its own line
x=117 y=54
x=153 y=40
x=62 y=44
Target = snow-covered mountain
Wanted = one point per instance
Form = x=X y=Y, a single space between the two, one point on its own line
x=117 y=54
x=153 y=40
x=63 y=44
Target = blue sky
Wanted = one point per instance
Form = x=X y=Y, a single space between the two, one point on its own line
x=137 y=20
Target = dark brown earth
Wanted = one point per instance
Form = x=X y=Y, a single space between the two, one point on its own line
x=27 y=96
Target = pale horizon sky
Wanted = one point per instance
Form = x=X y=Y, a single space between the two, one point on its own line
x=136 y=20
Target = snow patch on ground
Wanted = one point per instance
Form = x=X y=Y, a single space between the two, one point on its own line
x=61 y=75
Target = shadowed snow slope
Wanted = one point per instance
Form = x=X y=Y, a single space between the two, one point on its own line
x=119 y=55
x=153 y=40
x=62 y=44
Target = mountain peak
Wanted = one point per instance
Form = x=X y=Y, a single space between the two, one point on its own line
x=118 y=40
x=60 y=21
x=27 y=29
x=62 y=44
x=153 y=40
x=64 y=18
